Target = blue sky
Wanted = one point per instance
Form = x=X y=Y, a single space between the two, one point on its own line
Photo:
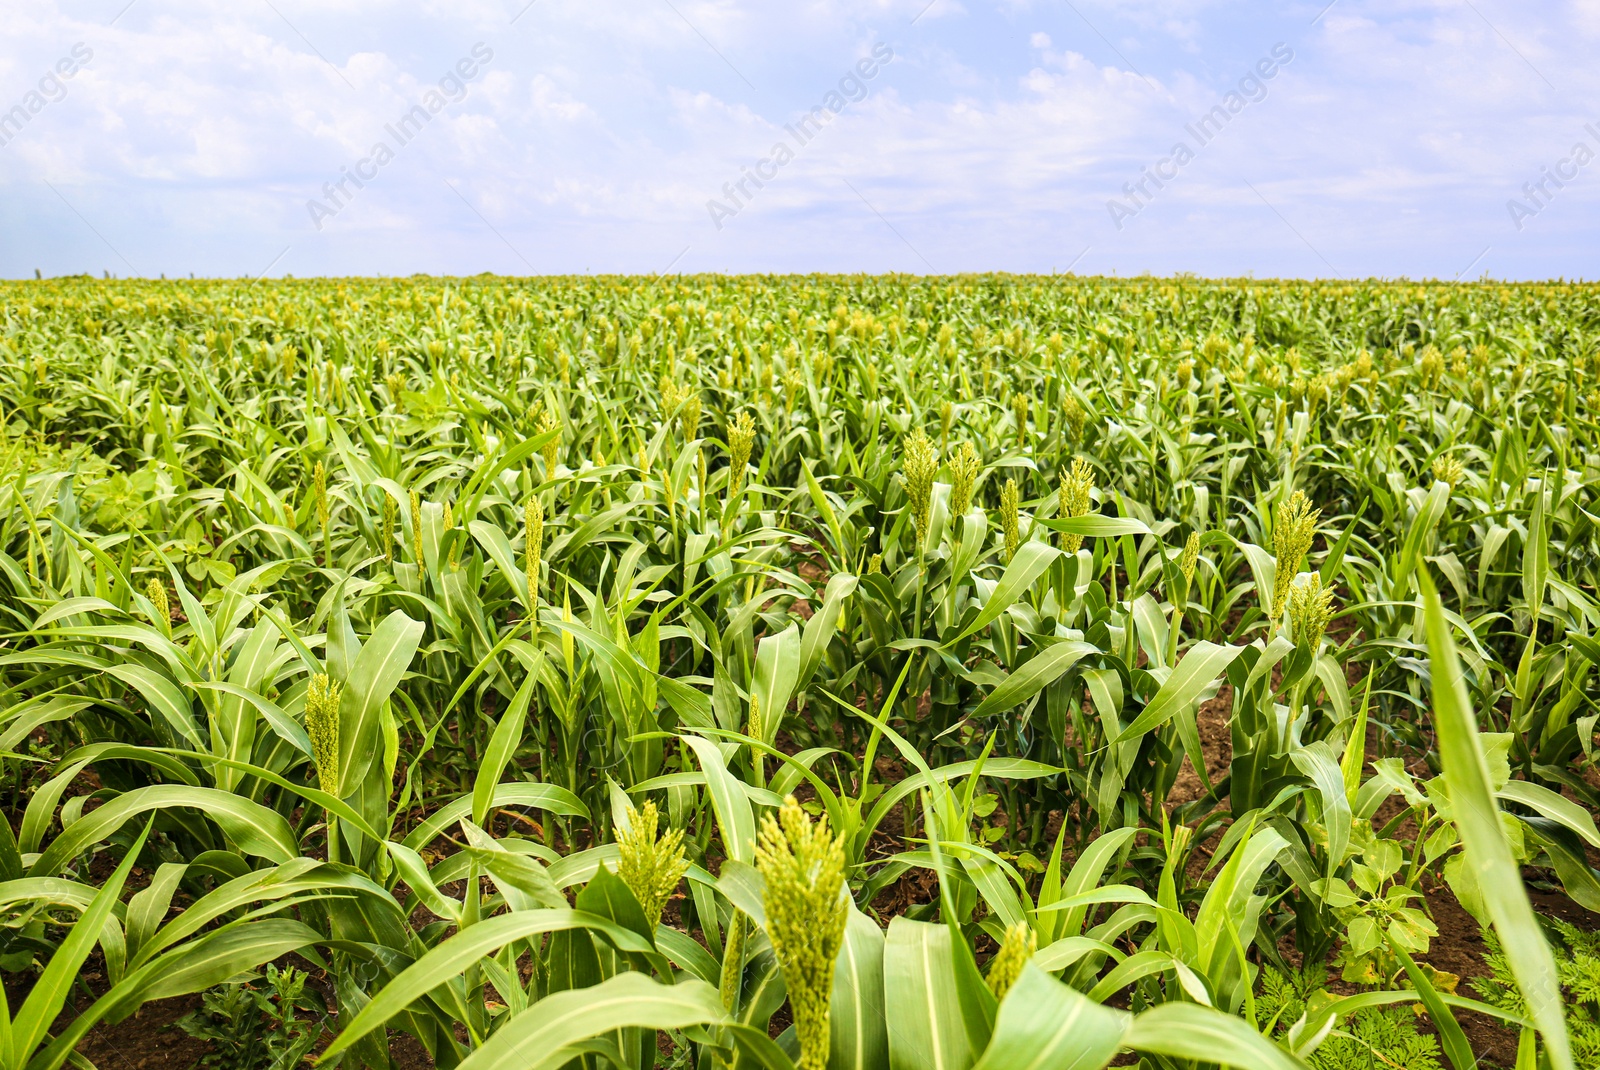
x=209 y=136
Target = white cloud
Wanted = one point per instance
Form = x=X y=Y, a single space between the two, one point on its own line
x=551 y=102
x=596 y=134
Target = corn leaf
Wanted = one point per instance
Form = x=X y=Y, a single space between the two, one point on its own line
x=1487 y=855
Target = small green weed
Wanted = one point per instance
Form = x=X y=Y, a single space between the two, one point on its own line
x=1578 y=961
x=255 y=1027
x=1377 y=1038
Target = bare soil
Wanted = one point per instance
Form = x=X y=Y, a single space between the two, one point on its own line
x=151 y=1038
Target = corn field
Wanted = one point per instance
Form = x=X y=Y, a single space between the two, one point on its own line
x=832 y=673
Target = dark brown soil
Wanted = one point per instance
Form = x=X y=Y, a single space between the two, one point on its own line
x=1216 y=743
x=151 y=1038
x=147 y=1041
x=1459 y=949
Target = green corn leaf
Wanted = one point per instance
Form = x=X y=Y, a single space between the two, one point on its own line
x=1488 y=857
x=208 y=960
x=776 y=673
x=1317 y=763
x=1421 y=527
x=1190 y=1031
x=687 y=953
x=1567 y=856
x=1558 y=808
x=1046 y=1025
x=298 y=877
x=149 y=905
x=41 y=810
x=255 y=829
x=1230 y=904
x=735 y=817
x=1070 y=949
x=498 y=547
x=859 y=1030
x=1333 y=564
x=1202 y=664
x=552 y=798
x=744 y=887
x=71 y=607
x=1095 y=525
x=1032 y=561
x=519 y=876
x=49 y=993
x=459 y=952
x=1040 y=671
x=977 y=1003
x=1085 y=876
x=1142 y=964
x=1456 y=1046
x=165 y=697
x=997 y=768
x=1355 y=748
x=920 y=998
x=823 y=625
x=541 y=1036
x=1108 y=893
x=281 y=723
x=819 y=498
x=335 y=806
x=502 y=745
x=414 y=871
x=1536 y=554
x=1264 y=568
x=377 y=670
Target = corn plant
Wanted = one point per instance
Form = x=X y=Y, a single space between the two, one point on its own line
x=984 y=671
